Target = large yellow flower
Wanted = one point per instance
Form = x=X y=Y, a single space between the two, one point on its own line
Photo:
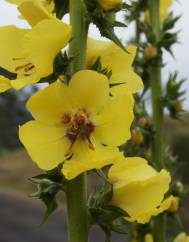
x=182 y=237
x=80 y=122
x=109 y=4
x=118 y=61
x=30 y=53
x=139 y=189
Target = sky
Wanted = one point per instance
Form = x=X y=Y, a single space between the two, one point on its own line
x=9 y=16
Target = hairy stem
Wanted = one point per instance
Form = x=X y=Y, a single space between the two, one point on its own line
x=159 y=232
x=76 y=189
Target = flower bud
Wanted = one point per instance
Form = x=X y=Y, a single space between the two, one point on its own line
x=142 y=122
x=148 y=238
x=178 y=106
x=150 y=53
x=179 y=187
x=174 y=204
x=109 y=4
x=137 y=136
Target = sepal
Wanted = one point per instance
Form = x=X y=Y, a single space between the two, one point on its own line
x=49 y=185
x=101 y=212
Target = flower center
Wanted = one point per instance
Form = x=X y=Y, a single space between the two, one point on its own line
x=79 y=126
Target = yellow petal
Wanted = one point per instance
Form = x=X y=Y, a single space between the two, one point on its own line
x=109 y=4
x=164 y=8
x=4 y=84
x=43 y=42
x=85 y=159
x=134 y=186
x=182 y=237
x=45 y=144
x=114 y=58
x=10 y=49
x=34 y=11
x=130 y=170
x=50 y=104
x=134 y=84
x=17 y=2
x=114 y=121
x=22 y=81
x=89 y=90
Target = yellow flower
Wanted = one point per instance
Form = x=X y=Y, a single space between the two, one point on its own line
x=34 y=11
x=182 y=237
x=164 y=11
x=32 y=52
x=109 y=4
x=118 y=61
x=139 y=189
x=81 y=122
x=148 y=238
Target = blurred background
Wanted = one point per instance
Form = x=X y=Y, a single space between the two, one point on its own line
x=20 y=215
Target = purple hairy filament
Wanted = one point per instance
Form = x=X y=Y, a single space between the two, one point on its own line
x=78 y=127
x=26 y=68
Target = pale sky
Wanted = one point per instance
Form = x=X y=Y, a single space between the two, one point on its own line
x=9 y=15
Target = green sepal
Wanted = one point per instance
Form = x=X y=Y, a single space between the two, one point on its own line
x=49 y=185
x=61 y=8
x=108 y=217
x=104 y=21
x=97 y=66
x=61 y=67
x=174 y=95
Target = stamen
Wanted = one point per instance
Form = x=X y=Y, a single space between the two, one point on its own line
x=29 y=68
x=23 y=67
x=70 y=149
x=66 y=119
x=90 y=144
x=21 y=58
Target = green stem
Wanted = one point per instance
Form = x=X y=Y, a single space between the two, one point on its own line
x=76 y=189
x=159 y=231
x=156 y=87
x=80 y=30
x=77 y=212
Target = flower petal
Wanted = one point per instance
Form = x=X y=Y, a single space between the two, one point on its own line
x=134 y=183
x=22 y=81
x=46 y=39
x=45 y=144
x=133 y=84
x=4 y=84
x=10 y=49
x=34 y=11
x=130 y=170
x=85 y=159
x=114 y=58
x=89 y=90
x=50 y=104
x=114 y=122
